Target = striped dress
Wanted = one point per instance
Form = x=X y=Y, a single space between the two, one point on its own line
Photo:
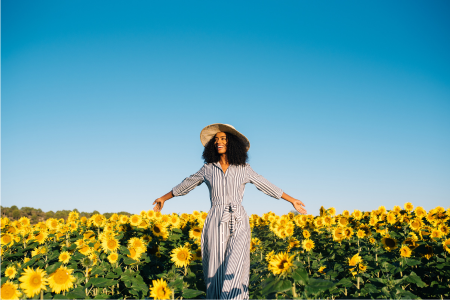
x=226 y=235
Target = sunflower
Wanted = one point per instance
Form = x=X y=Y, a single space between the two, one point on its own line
x=269 y=255
x=89 y=235
x=159 y=230
x=197 y=254
x=338 y=234
x=306 y=234
x=293 y=243
x=372 y=240
x=33 y=281
x=360 y=234
x=389 y=243
x=10 y=290
x=408 y=206
x=181 y=256
x=138 y=244
x=85 y=250
x=195 y=232
x=444 y=229
x=405 y=251
x=7 y=239
x=391 y=218
x=446 y=245
x=113 y=257
x=64 y=257
x=343 y=221
x=134 y=253
x=135 y=220
x=175 y=221
x=123 y=219
x=253 y=243
x=415 y=224
x=308 y=245
x=348 y=232
x=52 y=224
x=10 y=272
x=436 y=234
x=346 y=213
x=110 y=244
x=332 y=211
x=321 y=269
x=420 y=212
x=280 y=263
x=356 y=259
x=160 y=290
x=357 y=214
x=381 y=210
x=61 y=280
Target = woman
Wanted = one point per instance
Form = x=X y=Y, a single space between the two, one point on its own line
x=225 y=239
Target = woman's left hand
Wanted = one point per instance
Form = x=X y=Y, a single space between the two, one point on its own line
x=298 y=207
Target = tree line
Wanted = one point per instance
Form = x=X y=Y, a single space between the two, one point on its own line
x=37 y=215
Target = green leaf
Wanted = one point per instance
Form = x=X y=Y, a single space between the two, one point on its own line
x=345 y=282
x=282 y=285
x=139 y=284
x=369 y=289
x=301 y=276
x=188 y=293
x=102 y=296
x=129 y=261
x=413 y=278
x=124 y=250
x=102 y=282
x=177 y=284
x=53 y=268
x=177 y=230
x=268 y=285
x=97 y=271
x=412 y=262
x=77 y=293
x=316 y=286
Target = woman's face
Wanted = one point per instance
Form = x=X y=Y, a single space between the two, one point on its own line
x=220 y=142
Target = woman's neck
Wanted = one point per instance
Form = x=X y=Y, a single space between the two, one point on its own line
x=223 y=159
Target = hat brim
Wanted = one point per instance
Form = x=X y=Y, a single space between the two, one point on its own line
x=210 y=131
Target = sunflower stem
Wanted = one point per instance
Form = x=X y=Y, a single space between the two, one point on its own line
x=42 y=294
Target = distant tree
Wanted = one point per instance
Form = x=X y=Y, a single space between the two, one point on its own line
x=16 y=214
x=14 y=207
x=49 y=214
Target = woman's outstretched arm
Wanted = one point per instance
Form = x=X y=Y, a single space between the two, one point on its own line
x=296 y=203
x=160 y=201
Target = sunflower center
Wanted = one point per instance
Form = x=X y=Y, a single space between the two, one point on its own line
x=182 y=255
x=112 y=244
x=35 y=280
x=161 y=293
x=390 y=242
x=156 y=229
x=283 y=264
x=8 y=291
x=61 y=277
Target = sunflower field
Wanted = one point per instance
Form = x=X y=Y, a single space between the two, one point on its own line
x=400 y=253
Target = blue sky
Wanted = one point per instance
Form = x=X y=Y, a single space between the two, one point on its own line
x=345 y=104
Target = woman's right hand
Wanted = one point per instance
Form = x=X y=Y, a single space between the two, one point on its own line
x=159 y=204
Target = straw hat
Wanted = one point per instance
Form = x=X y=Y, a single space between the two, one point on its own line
x=209 y=131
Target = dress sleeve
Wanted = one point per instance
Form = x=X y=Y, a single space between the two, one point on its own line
x=263 y=184
x=189 y=183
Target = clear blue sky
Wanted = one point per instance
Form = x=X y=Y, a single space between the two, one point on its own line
x=345 y=103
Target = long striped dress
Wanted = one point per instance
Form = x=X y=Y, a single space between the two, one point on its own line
x=225 y=239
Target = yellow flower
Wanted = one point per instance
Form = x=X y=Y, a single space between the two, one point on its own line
x=195 y=232
x=343 y=221
x=389 y=243
x=446 y=245
x=356 y=259
x=357 y=214
x=391 y=218
x=306 y=234
x=415 y=224
x=346 y=213
x=360 y=234
x=408 y=206
x=338 y=234
x=397 y=209
x=6 y=239
x=197 y=254
x=293 y=243
x=61 y=280
x=308 y=245
x=159 y=230
x=348 y=232
x=160 y=290
x=181 y=256
x=372 y=240
x=321 y=269
x=10 y=290
x=332 y=211
x=33 y=281
x=64 y=257
x=280 y=263
x=381 y=210
x=405 y=251
x=10 y=272
x=269 y=255
x=135 y=220
x=110 y=244
x=436 y=233
x=134 y=253
x=112 y=258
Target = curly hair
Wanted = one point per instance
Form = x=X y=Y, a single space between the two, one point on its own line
x=236 y=151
